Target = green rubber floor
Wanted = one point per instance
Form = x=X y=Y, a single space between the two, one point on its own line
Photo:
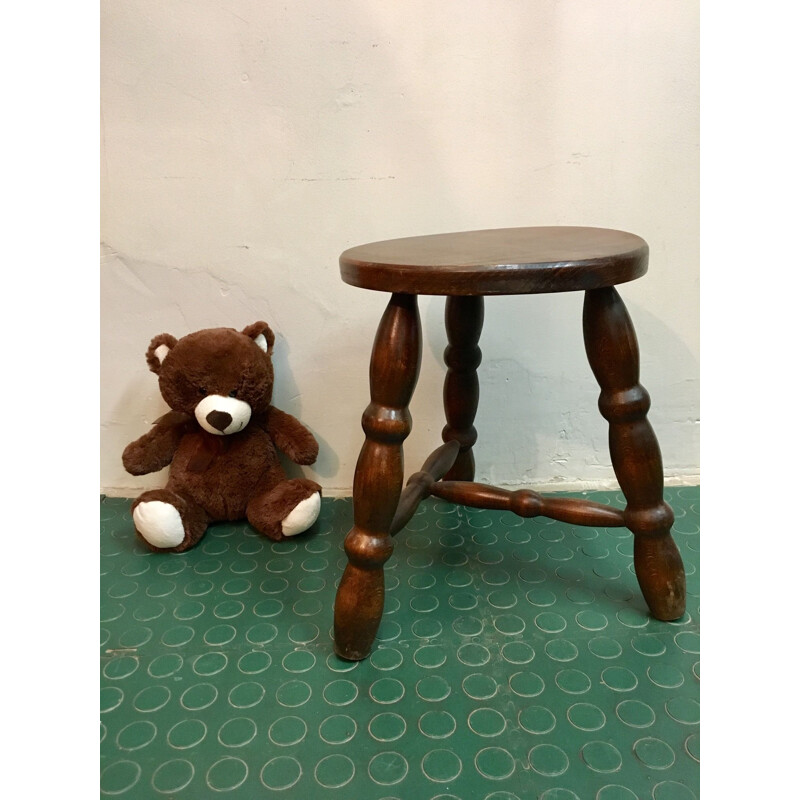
x=516 y=659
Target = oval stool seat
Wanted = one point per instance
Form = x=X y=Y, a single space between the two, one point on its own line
x=498 y=261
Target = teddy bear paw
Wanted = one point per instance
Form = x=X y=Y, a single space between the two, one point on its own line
x=302 y=516
x=159 y=523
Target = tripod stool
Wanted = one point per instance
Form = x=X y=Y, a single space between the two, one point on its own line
x=465 y=267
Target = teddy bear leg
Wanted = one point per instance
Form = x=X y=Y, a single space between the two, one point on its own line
x=165 y=521
x=286 y=510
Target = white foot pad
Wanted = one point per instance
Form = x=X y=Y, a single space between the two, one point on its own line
x=159 y=523
x=302 y=516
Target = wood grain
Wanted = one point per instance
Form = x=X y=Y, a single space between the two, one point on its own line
x=463 y=322
x=378 y=477
x=613 y=353
x=465 y=266
x=499 y=261
x=419 y=484
x=527 y=503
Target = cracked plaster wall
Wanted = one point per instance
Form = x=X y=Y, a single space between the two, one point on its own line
x=246 y=144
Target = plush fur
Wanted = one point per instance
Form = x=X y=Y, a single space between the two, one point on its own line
x=220 y=440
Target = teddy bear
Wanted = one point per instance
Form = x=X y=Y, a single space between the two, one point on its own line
x=221 y=440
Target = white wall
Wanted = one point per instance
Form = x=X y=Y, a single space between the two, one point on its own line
x=245 y=144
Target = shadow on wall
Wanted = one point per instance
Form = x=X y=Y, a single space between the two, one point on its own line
x=533 y=387
x=143 y=300
x=538 y=411
x=288 y=397
x=538 y=422
x=670 y=372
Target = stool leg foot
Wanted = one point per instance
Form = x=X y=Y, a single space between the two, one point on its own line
x=463 y=322
x=378 y=477
x=613 y=354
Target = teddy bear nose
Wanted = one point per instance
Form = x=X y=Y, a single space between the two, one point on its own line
x=219 y=419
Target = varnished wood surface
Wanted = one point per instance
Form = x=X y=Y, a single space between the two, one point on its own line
x=378 y=478
x=613 y=354
x=466 y=266
x=498 y=261
x=527 y=503
x=419 y=484
x=463 y=319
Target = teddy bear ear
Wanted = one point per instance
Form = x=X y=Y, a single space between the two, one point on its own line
x=262 y=335
x=157 y=352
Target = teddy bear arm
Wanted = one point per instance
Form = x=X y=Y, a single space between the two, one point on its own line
x=292 y=437
x=155 y=450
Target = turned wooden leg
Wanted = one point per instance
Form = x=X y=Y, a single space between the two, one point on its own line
x=463 y=322
x=379 y=477
x=614 y=357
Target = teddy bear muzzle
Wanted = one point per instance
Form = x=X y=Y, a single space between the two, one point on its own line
x=221 y=415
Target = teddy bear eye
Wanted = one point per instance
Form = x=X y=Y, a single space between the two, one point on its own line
x=234 y=393
x=201 y=391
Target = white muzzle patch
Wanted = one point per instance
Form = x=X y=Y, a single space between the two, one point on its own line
x=222 y=415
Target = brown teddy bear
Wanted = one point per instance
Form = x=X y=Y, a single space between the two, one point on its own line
x=220 y=440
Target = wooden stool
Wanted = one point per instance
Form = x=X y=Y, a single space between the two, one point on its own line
x=466 y=266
